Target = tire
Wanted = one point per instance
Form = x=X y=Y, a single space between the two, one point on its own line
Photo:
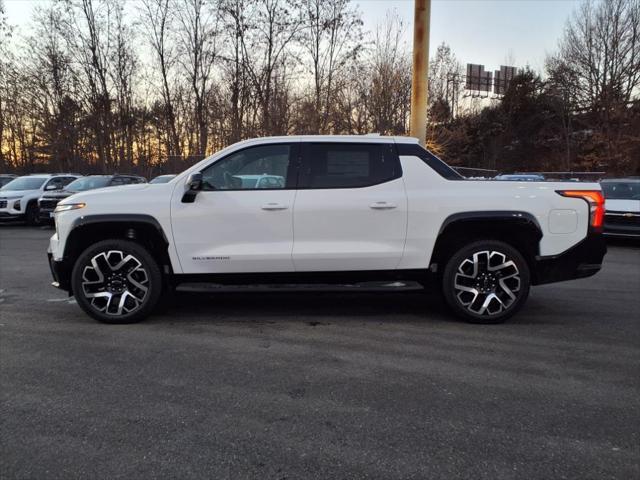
x=112 y=270
x=32 y=215
x=486 y=282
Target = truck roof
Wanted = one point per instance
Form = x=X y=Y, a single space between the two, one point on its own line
x=336 y=138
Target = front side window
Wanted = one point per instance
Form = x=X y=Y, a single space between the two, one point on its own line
x=254 y=168
x=349 y=165
x=55 y=184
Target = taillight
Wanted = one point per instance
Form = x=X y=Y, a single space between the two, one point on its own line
x=595 y=199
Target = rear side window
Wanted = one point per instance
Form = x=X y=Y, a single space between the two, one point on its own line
x=441 y=168
x=348 y=165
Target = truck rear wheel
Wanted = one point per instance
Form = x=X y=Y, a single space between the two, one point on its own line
x=116 y=281
x=486 y=282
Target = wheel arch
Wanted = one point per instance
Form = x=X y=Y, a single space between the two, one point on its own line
x=519 y=229
x=142 y=229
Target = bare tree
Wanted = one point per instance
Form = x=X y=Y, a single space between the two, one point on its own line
x=445 y=78
x=332 y=39
x=600 y=55
x=601 y=46
x=199 y=23
x=234 y=69
x=275 y=25
x=5 y=64
x=49 y=68
x=390 y=90
x=158 y=19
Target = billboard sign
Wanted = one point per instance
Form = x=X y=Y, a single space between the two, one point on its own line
x=479 y=80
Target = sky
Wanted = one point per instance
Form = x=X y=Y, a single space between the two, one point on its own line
x=487 y=32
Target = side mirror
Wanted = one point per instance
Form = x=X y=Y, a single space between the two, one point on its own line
x=52 y=186
x=194 y=185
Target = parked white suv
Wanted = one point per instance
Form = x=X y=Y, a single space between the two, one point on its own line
x=349 y=209
x=19 y=197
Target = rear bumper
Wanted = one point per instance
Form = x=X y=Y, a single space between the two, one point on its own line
x=582 y=260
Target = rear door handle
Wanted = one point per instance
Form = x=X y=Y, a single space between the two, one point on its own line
x=382 y=206
x=274 y=206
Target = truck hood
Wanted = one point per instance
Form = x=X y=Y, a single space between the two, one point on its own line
x=59 y=195
x=615 y=205
x=101 y=193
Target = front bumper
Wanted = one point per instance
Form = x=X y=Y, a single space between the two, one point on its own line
x=8 y=216
x=582 y=260
x=622 y=224
x=45 y=215
x=61 y=273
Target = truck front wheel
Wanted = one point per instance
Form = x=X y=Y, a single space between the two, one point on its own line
x=31 y=215
x=116 y=281
x=486 y=281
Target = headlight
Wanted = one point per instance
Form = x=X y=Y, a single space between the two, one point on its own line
x=69 y=206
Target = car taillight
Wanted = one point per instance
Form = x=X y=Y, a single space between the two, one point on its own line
x=595 y=199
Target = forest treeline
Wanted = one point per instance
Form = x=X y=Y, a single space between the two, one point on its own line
x=151 y=86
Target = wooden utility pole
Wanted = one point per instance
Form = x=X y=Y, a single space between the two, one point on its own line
x=420 y=74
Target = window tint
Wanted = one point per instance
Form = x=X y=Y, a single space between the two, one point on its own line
x=254 y=168
x=621 y=190
x=88 y=183
x=116 y=181
x=349 y=165
x=25 y=183
x=57 y=182
x=68 y=180
x=441 y=168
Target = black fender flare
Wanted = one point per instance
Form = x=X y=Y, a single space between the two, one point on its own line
x=510 y=215
x=489 y=222
x=115 y=218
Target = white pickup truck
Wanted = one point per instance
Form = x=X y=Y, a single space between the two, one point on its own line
x=347 y=209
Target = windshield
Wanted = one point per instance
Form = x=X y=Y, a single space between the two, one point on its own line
x=621 y=190
x=88 y=183
x=24 y=183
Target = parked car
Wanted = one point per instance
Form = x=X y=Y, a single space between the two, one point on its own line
x=6 y=178
x=351 y=209
x=49 y=200
x=162 y=179
x=19 y=197
x=622 y=204
x=259 y=181
x=521 y=177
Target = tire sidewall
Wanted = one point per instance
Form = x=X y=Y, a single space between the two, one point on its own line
x=153 y=272
x=451 y=268
x=31 y=215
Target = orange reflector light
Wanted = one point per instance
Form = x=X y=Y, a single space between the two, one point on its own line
x=595 y=199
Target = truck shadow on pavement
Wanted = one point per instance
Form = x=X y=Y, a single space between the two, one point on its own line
x=313 y=307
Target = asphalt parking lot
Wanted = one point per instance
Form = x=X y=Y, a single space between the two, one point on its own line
x=308 y=384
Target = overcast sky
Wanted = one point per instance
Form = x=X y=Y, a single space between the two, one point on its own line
x=479 y=31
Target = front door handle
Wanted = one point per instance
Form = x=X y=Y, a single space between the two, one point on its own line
x=274 y=206
x=382 y=206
